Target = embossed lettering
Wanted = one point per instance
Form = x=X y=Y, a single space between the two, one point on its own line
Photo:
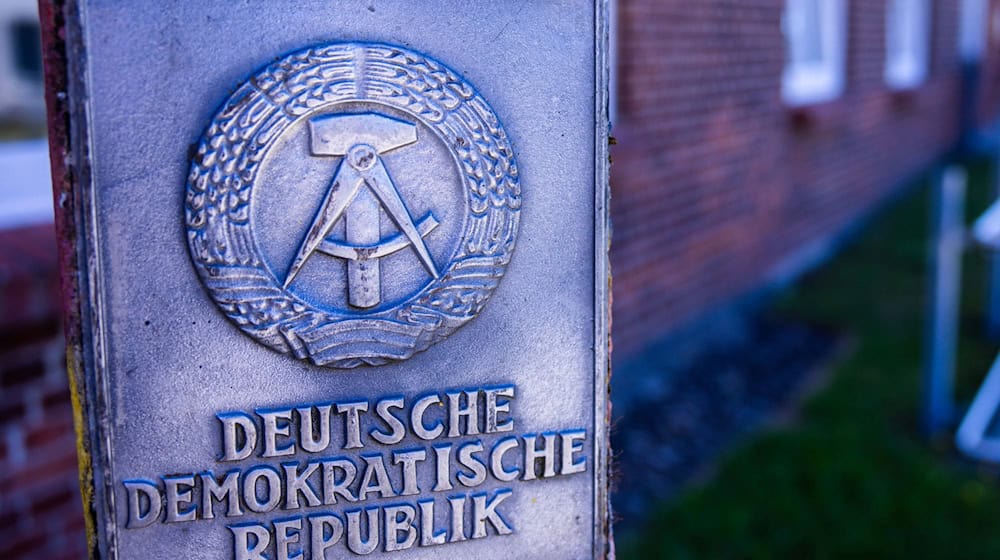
x=228 y=490
x=319 y=539
x=399 y=519
x=298 y=483
x=494 y=407
x=375 y=478
x=175 y=497
x=457 y=519
x=277 y=423
x=572 y=443
x=409 y=460
x=467 y=458
x=271 y=488
x=547 y=454
x=428 y=535
x=144 y=504
x=356 y=542
x=484 y=511
x=288 y=532
x=314 y=435
x=333 y=487
x=396 y=431
x=496 y=460
x=456 y=412
x=442 y=469
x=352 y=424
x=250 y=541
x=239 y=436
x=417 y=418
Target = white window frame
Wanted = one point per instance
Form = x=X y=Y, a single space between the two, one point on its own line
x=804 y=84
x=19 y=95
x=972 y=29
x=908 y=67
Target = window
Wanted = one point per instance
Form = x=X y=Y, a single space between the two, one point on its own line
x=972 y=30
x=816 y=41
x=907 y=41
x=27 y=48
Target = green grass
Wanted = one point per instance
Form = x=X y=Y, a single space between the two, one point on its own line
x=852 y=477
x=21 y=131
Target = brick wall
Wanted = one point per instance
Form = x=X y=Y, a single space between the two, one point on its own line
x=40 y=506
x=716 y=182
x=988 y=106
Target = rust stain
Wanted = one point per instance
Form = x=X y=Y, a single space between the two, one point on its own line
x=52 y=16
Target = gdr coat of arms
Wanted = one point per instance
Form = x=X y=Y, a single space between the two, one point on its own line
x=352 y=203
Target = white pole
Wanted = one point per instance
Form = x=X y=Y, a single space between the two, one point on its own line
x=947 y=216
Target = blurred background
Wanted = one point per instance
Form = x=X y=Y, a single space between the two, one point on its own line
x=802 y=312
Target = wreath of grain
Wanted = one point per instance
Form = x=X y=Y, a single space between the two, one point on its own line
x=224 y=167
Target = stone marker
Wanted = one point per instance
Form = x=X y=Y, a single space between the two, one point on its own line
x=336 y=275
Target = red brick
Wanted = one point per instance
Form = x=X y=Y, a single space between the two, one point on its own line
x=20 y=374
x=56 y=398
x=715 y=181
x=23 y=545
x=47 y=466
x=8 y=519
x=45 y=504
x=58 y=427
x=11 y=411
x=24 y=334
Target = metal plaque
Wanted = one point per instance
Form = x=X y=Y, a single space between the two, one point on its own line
x=337 y=278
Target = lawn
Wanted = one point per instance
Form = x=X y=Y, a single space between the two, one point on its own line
x=19 y=131
x=852 y=477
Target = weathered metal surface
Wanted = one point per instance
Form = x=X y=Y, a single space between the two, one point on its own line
x=58 y=39
x=342 y=273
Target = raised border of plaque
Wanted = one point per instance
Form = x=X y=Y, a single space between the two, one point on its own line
x=85 y=309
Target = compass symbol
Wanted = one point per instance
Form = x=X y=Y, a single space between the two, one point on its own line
x=360 y=190
x=359 y=106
